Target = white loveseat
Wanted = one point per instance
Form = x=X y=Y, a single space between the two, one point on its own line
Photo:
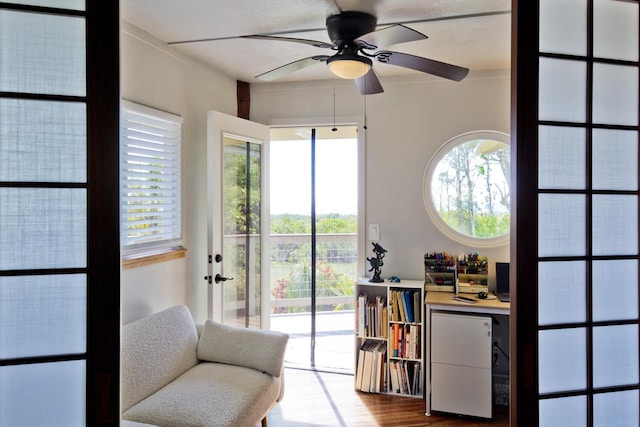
x=176 y=374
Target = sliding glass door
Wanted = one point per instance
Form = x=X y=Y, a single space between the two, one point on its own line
x=314 y=244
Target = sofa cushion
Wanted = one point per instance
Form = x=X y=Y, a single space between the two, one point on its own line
x=257 y=349
x=212 y=395
x=155 y=351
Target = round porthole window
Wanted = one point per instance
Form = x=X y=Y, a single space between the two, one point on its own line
x=466 y=188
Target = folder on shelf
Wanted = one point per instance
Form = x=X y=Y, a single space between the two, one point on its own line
x=378 y=368
x=402 y=303
x=371 y=367
x=361 y=318
x=393 y=374
x=358 y=380
x=385 y=321
x=408 y=300
x=366 y=371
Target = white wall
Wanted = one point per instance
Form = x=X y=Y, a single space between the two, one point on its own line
x=157 y=75
x=405 y=126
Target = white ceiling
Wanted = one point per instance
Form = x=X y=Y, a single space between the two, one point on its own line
x=470 y=33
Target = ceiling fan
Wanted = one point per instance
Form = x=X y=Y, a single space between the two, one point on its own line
x=354 y=37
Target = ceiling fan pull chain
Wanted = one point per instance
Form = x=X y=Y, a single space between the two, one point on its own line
x=334 y=106
x=365 y=108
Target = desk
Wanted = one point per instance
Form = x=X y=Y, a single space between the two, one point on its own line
x=443 y=301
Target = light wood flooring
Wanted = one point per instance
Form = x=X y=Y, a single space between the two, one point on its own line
x=314 y=399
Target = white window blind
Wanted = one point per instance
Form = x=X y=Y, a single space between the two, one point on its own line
x=150 y=143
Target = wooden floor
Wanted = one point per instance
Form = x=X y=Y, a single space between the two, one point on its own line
x=314 y=399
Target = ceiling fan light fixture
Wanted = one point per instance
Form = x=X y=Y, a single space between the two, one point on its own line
x=349 y=66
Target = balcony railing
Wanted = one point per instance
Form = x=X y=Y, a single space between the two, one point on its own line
x=336 y=254
x=290 y=256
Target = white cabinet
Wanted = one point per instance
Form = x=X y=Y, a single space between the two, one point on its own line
x=461 y=364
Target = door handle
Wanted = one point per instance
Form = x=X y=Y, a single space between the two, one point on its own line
x=220 y=278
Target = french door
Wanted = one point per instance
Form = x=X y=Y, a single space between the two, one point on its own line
x=575 y=309
x=236 y=151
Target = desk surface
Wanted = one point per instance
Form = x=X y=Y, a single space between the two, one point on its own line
x=444 y=300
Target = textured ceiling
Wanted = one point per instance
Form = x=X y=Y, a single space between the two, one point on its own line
x=470 y=33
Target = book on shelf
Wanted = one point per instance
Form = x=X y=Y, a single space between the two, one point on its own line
x=371 y=368
x=405 y=377
x=417 y=304
x=404 y=340
x=406 y=306
x=361 y=304
x=371 y=316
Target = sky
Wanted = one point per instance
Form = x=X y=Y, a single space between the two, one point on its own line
x=336 y=176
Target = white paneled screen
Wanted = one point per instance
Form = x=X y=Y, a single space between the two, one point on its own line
x=43 y=213
x=42 y=53
x=588 y=249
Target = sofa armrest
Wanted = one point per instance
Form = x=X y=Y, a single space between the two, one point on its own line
x=252 y=348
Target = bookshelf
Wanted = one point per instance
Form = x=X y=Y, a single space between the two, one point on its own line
x=389 y=344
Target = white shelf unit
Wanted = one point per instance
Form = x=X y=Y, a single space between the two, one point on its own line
x=473 y=275
x=461 y=364
x=401 y=372
x=439 y=273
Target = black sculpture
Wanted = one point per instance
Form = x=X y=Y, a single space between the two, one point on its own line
x=376 y=263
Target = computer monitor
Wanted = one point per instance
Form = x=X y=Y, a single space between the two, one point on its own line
x=502 y=278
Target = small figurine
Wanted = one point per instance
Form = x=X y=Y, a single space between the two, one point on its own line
x=376 y=263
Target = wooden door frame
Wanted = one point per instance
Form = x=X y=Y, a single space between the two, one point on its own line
x=524 y=208
x=103 y=251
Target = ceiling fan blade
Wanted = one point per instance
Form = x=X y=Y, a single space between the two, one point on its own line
x=418 y=63
x=387 y=36
x=315 y=43
x=369 y=84
x=282 y=71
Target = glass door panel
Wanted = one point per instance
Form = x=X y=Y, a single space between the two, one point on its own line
x=290 y=251
x=313 y=203
x=235 y=156
x=336 y=207
x=242 y=197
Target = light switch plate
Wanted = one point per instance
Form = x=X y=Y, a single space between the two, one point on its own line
x=374 y=232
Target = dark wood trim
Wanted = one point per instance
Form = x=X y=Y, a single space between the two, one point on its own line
x=103 y=256
x=41 y=9
x=524 y=208
x=243 y=95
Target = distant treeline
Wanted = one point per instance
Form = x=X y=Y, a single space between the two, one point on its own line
x=325 y=224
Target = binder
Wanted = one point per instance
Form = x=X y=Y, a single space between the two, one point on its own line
x=408 y=301
x=358 y=383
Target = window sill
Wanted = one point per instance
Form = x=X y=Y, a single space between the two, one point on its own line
x=153 y=259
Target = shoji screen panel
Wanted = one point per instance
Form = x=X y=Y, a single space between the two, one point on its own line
x=587 y=213
x=58 y=169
